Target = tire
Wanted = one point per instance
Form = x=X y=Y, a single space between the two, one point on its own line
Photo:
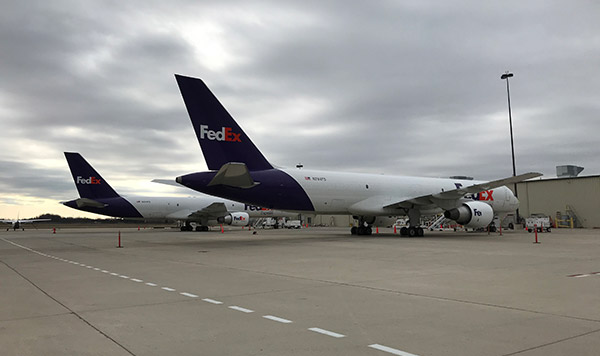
x=353 y=230
x=404 y=231
x=420 y=232
x=412 y=231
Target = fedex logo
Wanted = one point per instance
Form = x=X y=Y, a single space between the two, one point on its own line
x=486 y=195
x=239 y=218
x=90 y=180
x=224 y=134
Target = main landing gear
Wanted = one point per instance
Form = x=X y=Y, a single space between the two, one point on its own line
x=412 y=231
x=189 y=227
x=361 y=230
x=364 y=226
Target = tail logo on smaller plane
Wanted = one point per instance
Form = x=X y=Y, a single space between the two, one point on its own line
x=90 y=180
x=224 y=134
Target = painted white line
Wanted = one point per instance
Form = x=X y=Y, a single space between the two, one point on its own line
x=582 y=275
x=390 y=350
x=89 y=267
x=212 y=301
x=96 y=269
x=189 y=295
x=326 y=332
x=168 y=289
x=104 y=271
x=123 y=276
x=136 y=280
x=277 y=319
x=151 y=284
x=243 y=310
x=114 y=274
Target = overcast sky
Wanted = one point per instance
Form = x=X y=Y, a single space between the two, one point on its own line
x=394 y=87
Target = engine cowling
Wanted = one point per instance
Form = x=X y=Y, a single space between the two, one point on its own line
x=235 y=219
x=473 y=214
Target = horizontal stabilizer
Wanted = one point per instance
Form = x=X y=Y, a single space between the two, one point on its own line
x=167 y=182
x=233 y=174
x=87 y=202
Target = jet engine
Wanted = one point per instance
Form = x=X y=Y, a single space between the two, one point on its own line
x=473 y=214
x=235 y=219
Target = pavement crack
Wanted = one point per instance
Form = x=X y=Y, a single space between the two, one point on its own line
x=552 y=343
x=71 y=311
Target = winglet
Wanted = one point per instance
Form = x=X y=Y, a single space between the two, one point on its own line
x=222 y=140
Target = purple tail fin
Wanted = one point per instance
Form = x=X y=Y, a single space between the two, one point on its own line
x=89 y=183
x=220 y=137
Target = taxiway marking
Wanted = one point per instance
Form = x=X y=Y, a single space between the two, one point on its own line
x=390 y=350
x=277 y=319
x=189 y=295
x=212 y=301
x=243 y=310
x=581 y=275
x=327 y=332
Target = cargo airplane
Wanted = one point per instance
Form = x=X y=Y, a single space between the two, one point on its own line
x=97 y=196
x=239 y=171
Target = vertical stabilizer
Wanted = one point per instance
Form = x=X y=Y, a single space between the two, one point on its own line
x=89 y=183
x=220 y=137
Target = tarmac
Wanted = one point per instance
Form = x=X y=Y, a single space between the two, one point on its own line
x=314 y=291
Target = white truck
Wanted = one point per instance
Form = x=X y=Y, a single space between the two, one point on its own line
x=539 y=222
x=292 y=224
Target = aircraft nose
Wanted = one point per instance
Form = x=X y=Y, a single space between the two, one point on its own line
x=514 y=202
x=179 y=180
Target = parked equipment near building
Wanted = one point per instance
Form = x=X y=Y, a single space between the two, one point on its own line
x=540 y=222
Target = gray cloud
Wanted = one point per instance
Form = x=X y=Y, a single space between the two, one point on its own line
x=408 y=88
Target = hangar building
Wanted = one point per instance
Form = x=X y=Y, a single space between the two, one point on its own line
x=577 y=197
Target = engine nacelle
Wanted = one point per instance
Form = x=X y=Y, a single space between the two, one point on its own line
x=473 y=214
x=235 y=219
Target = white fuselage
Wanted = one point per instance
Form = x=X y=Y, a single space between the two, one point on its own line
x=179 y=208
x=367 y=194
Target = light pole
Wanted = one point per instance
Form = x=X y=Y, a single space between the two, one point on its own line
x=512 y=144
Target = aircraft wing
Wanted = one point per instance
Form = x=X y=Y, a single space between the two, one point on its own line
x=460 y=192
x=213 y=210
x=32 y=220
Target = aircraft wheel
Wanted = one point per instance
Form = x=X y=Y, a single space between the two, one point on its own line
x=353 y=230
x=412 y=231
x=404 y=231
